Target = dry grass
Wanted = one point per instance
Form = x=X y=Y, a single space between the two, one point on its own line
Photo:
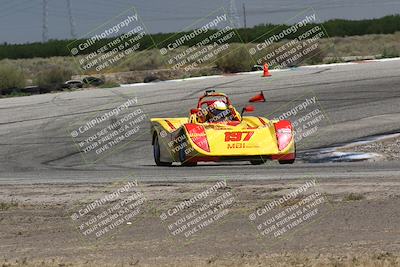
x=333 y=50
x=52 y=76
x=376 y=44
x=7 y=205
x=353 y=197
x=11 y=77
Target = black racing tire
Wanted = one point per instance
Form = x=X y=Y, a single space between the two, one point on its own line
x=182 y=155
x=157 y=153
x=287 y=161
x=257 y=162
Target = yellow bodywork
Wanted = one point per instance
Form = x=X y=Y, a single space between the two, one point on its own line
x=253 y=136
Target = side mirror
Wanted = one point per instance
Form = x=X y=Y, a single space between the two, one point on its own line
x=194 y=111
x=247 y=109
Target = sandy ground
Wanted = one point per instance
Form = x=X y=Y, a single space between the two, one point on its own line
x=357 y=224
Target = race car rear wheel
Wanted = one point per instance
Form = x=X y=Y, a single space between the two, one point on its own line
x=157 y=153
x=182 y=154
x=290 y=161
x=287 y=161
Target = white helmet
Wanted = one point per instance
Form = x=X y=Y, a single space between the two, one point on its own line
x=219 y=105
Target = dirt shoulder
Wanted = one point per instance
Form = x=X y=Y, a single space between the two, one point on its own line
x=352 y=222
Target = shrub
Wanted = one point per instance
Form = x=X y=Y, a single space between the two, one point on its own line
x=8 y=205
x=11 y=77
x=143 y=60
x=53 y=77
x=316 y=57
x=389 y=52
x=237 y=60
x=353 y=197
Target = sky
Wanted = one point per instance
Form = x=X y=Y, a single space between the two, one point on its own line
x=21 y=20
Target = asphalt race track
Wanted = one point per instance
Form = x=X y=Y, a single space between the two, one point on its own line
x=358 y=100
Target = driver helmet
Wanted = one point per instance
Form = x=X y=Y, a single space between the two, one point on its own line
x=218 y=111
x=219 y=105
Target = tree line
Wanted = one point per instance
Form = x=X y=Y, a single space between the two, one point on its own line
x=334 y=28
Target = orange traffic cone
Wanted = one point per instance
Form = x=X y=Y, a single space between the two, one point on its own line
x=258 y=98
x=266 y=71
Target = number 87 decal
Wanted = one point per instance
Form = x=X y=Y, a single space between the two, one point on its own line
x=237 y=136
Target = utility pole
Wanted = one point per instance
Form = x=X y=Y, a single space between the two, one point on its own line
x=244 y=16
x=45 y=30
x=71 y=20
x=233 y=14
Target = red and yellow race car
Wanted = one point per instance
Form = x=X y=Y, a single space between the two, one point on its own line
x=215 y=131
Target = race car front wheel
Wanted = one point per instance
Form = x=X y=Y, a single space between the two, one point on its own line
x=157 y=153
x=257 y=162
